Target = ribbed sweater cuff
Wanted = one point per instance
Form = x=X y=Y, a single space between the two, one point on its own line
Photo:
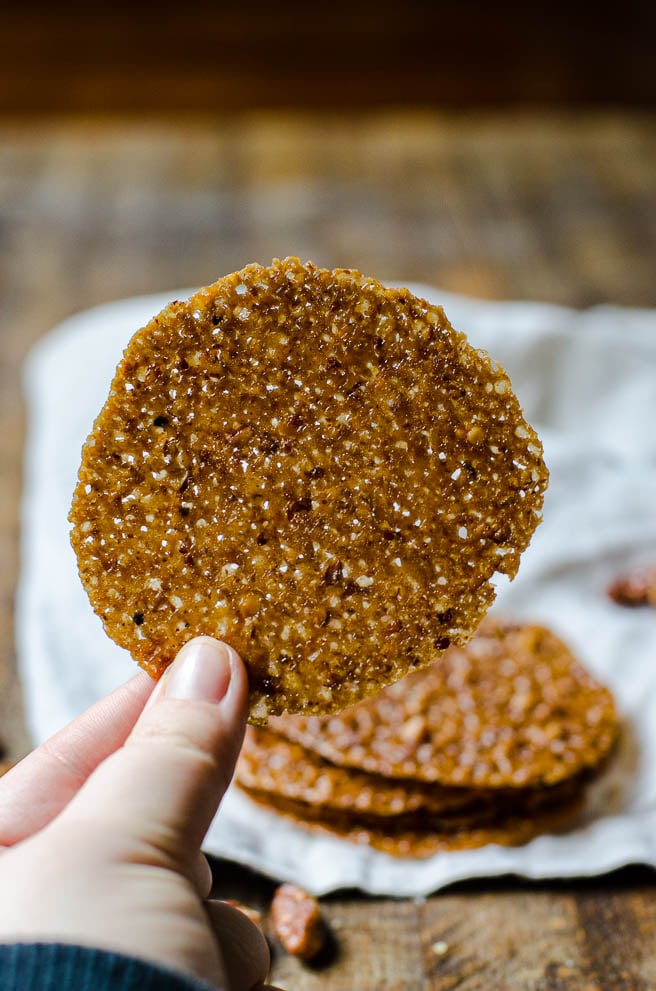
x=58 y=967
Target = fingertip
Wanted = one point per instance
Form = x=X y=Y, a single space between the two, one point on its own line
x=244 y=948
x=236 y=693
x=180 y=756
x=205 y=669
x=201 y=672
x=239 y=677
x=226 y=664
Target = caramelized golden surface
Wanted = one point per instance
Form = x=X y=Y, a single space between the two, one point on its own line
x=513 y=708
x=424 y=840
x=317 y=469
x=270 y=764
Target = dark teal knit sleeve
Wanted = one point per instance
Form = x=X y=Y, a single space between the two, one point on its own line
x=57 y=967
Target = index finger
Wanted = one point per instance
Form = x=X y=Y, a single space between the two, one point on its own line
x=34 y=791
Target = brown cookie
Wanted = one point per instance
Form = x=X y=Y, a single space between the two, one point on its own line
x=315 y=468
x=483 y=810
x=270 y=764
x=424 y=841
x=513 y=708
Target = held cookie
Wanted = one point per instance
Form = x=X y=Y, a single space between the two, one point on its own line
x=513 y=708
x=315 y=468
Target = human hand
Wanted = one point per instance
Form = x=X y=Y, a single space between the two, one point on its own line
x=101 y=826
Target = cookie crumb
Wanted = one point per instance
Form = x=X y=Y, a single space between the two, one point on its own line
x=440 y=948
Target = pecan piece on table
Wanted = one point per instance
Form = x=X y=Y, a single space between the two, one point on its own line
x=297 y=922
x=634 y=588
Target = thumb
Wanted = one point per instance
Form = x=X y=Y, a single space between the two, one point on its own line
x=157 y=795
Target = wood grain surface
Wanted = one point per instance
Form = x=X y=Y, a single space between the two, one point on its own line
x=531 y=207
x=204 y=55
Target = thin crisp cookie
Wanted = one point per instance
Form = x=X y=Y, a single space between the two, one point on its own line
x=270 y=764
x=313 y=467
x=513 y=708
x=423 y=841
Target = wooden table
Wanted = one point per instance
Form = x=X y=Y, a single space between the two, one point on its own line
x=555 y=208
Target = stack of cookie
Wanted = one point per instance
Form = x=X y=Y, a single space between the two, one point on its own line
x=493 y=743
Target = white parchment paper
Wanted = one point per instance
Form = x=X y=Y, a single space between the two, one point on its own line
x=587 y=381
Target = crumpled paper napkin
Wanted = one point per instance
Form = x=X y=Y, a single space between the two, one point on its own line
x=587 y=381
